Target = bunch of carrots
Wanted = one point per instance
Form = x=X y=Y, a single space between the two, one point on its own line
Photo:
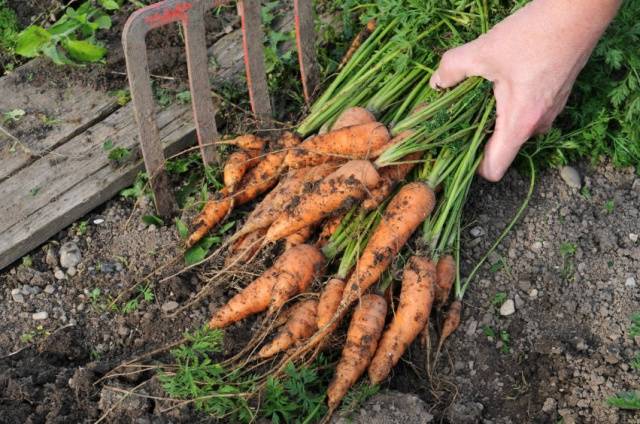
x=379 y=156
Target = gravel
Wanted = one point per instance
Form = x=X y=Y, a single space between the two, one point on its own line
x=508 y=308
x=571 y=176
x=169 y=306
x=39 y=316
x=70 y=255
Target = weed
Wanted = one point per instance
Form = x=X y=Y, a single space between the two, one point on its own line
x=567 y=251
x=183 y=230
x=497 y=266
x=153 y=220
x=27 y=261
x=27 y=337
x=625 y=400
x=81 y=228
x=184 y=97
x=119 y=155
x=505 y=338
x=8 y=27
x=122 y=97
x=139 y=188
x=147 y=293
x=94 y=295
x=499 y=299
x=635 y=362
x=34 y=191
x=47 y=120
x=94 y=355
x=38 y=333
x=13 y=115
x=489 y=332
x=130 y=306
x=634 y=330
x=162 y=95
x=356 y=396
x=585 y=192
x=609 y=206
x=72 y=39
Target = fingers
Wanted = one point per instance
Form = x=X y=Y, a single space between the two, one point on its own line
x=515 y=123
x=456 y=65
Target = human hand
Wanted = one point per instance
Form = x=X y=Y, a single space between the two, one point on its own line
x=533 y=58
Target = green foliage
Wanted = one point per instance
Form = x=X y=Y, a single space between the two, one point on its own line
x=153 y=220
x=356 y=396
x=27 y=261
x=634 y=330
x=139 y=188
x=200 y=250
x=567 y=249
x=625 y=400
x=609 y=206
x=184 y=97
x=13 y=115
x=81 y=228
x=8 y=27
x=118 y=155
x=183 y=230
x=122 y=96
x=499 y=299
x=94 y=295
x=635 y=362
x=72 y=39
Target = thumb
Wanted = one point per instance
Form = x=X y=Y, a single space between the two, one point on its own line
x=505 y=143
x=456 y=65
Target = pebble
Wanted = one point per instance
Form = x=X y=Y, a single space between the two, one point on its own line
x=519 y=301
x=633 y=237
x=70 y=255
x=123 y=331
x=476 y=231
x=549 y=405
x=571 y=176
x=108 y=267
x=631 y=282
x=80 y=307
x=49 y=289
x=26 y=290
x=582 y=345
x=169 y=306
x=524 y=285
x=17 y=296
x=39 y=316
x=533 y=293
x=536 y=246
x=59 y=274
x=71 y=271
x=98 y=221
x=51 y=259
x=508 y=308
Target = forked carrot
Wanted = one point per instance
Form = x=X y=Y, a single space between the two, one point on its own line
x=292 y=273
x=300 y=325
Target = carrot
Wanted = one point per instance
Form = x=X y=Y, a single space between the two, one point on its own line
x=292 y=273
x=357 y=41
x=389 y=177
x=408 y=209
x=355 y=142
x=298 y=237
x=274 y=202
x=416 y=298
x=329 y=301
x=245 y=247
x=353 y=116
x=247 y=142
x=451 y=323
x=300 y=326
x=235 y=168
x=336 y=192
x=445 y=276
x=362 y=339
x=329 y=226
x=255 y=182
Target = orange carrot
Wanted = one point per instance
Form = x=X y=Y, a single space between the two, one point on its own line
x=300 y=326
x=389 y=177
x=445 y=276
x=353 y=116
x=299 y=237
x=235 y=168
x=247 y=142
x=245 y=247
x=357 y=41
x=292 y=273
x=336 y=192
x=451 y=323
x=411 y=315
x=362 y=339
x=274 y=202
x=329 y=301
x=355 y=142
x=255 y=182
x=405 y=212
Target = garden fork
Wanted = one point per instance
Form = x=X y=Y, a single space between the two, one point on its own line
x=190 y=13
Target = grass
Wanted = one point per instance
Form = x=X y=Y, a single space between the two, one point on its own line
x=625 y=400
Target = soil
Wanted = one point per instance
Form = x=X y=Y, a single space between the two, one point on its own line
x=569 y=346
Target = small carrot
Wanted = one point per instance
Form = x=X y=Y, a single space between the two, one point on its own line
x=336 y=192
x=355 y=142
x=362 y=339
x=300 y=326
x=445 y=276
x=247 y=142
x=292 y=273
x=214 y=211
x=299 y=237
x=357 y=41
x=329 y=301
x=404 y=213
x=416 y=298
x=451 y=323
x=353 y=116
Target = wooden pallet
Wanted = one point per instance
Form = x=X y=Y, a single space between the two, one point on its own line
x=48 y=183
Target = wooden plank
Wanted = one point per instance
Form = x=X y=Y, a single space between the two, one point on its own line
x=84 y=179
x=72 y=108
